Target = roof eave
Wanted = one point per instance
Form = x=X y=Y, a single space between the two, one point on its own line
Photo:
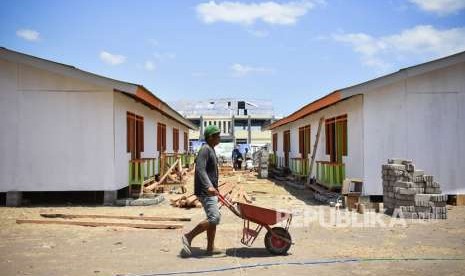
x=148 y=97
x=308 y=109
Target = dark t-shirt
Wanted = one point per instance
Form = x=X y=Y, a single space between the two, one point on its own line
x=206 y=171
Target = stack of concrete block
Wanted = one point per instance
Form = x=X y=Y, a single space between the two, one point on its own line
x=411 y=192
x=263 y=157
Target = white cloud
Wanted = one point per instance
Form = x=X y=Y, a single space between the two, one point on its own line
x=240 y=70
x=28 y=34
x=420 y=41
x=441 y=7
x=247 y=13
x=149 y=65
x=112 y=59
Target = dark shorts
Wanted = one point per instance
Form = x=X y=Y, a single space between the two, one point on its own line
x=210 y=205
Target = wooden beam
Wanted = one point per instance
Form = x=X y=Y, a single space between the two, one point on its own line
x=149 y=218
x=154 y=185
x=97 y=224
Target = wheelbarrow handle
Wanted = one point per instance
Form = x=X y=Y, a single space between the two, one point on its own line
x=229 y=204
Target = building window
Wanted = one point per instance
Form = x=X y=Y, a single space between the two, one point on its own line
x=161 y=137
x=205 y=123
x=304 y=141
x=175 y=139
x=275 y=142
x=336 y=137
x=135 y=134
x=229 y=127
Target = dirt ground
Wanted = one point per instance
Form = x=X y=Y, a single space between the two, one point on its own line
x=319 y=234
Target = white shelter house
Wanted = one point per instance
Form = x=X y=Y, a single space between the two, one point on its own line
x=416 y=113
x=64 y=129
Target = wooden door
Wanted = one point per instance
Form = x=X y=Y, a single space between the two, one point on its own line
x=286 y=147
x=135 y=135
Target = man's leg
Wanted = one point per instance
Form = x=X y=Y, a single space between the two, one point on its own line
x=200 y=228
x=211 y=231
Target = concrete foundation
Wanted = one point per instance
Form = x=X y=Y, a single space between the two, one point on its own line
x=109 y=197
x=14 y=199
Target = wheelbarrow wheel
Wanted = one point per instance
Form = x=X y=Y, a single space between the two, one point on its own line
x=275 y=245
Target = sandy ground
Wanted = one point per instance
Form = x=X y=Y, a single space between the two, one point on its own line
x=317 y=231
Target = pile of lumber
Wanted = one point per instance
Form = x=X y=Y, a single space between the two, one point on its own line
x=175 y=175
x=226 y=170
x=69 y=219
x=231 y=191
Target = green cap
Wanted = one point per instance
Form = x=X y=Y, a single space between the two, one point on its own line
x=210 y=130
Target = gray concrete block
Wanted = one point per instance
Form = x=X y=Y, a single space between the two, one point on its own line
x=428 y=178
x=433 y=191
x=399 y=161
x=393 y=167
x=417 y=173
x=438 y=198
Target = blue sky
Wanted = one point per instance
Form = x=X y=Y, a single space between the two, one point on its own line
x=291 y=52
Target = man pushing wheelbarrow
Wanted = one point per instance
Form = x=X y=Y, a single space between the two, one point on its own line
x=277 y=239
x=206 y=190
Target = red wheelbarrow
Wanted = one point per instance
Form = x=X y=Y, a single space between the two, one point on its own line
x=277 y=239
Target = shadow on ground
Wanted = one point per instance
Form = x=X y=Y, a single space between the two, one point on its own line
x=248 y=252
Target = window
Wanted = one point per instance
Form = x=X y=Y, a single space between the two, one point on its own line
x=186 y=141
x=175 y=139
x=304 y=140
x=287 y=141
x=275 y=142
x=161 y=137
x=134 y=134
x=336 y=137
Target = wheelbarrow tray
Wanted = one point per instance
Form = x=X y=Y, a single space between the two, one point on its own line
x=260 y=215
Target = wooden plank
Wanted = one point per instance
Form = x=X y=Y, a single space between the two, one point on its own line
x=457 y=200
x=101 y=224
x=315 y=146
x=460 y=200
x=148 y=218
x=154 y=185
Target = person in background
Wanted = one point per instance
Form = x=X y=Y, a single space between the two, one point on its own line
x=237 y=158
